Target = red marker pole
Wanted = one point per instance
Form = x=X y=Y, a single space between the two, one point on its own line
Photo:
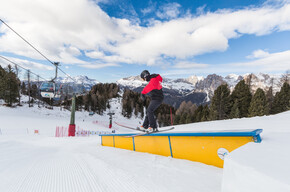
x=72 y=125
x=111 y=117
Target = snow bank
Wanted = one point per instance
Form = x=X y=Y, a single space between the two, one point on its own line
x=255 y=167
x=261 y=166
x=258 y=168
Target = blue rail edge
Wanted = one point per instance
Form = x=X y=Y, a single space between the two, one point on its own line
x=237 y=133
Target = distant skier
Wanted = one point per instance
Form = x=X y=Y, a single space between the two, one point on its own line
x=154 y=87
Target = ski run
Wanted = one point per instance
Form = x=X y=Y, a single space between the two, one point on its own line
x=40 y=162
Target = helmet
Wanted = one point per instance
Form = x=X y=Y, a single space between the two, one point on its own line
x=144 y=74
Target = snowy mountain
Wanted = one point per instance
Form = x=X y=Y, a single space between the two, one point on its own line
x=175 y=91
x=199 y=90
x=131 y=82
x=181 y=85
x=264 y=81
x=79 y=80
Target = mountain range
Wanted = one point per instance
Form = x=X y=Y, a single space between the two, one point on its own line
x=199 y=90
x=80 y=80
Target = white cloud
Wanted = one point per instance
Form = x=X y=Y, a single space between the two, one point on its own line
x=63 y=29
x=268 y=62
x=272 y=63
x=99 y=66
x=95 y=54
x=51 y=25
x=168 y=11
x=200 y=10
x=29 y=65
x=149 y=9
x=116 y=59
x=258 y=54
x=107 y=59
x=188 y=65
x=191 y=36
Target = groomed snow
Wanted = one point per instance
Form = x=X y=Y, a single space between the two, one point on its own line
x=41 y=162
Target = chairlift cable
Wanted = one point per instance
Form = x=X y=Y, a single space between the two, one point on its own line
x=21 y=67
x=26 y=41
x=53 y=63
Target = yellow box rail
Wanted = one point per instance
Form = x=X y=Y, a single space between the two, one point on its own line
x=205 y=147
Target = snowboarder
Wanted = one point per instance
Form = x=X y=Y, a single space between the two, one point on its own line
x=154 y=88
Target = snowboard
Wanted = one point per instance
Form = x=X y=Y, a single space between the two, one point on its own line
x=147 y=133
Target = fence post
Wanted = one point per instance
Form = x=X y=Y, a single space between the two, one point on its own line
x=56 y=131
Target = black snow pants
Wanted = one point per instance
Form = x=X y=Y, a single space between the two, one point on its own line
x=150 y=120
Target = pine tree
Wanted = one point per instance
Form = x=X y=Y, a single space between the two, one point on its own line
x=205 y=113
x=79 y=102
x=198 y=114
x=137 y=109
x=86 y=100
x=19 y=85
x=242 y=96
x=126 y=104
x=11 y=88
x=183 y=118
x=258 y=105
x=270 y=99
x=142 y=109
x=182 y=108
x=160 y=120
x=186 y=109
x=2 y=82
x=220 y=103
x=23 y=89
x=34 y=91
x=98 y=98
x=235 y=112
x=282 y=99
x=176 y=120
x=188 y=118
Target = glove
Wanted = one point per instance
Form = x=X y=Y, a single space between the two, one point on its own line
x=143 y=97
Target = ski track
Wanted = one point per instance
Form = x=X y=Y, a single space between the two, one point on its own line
x=60 y=169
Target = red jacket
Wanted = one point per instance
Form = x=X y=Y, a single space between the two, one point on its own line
x=154 y=87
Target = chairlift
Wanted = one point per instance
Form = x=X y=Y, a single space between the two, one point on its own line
x=57 y=91
x=91 y=113
x=50 y=89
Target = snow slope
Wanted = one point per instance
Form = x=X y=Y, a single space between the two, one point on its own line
x=82 y=164
x=255 y=166
x=42 y=162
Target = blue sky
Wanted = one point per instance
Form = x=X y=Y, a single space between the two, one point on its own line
x=111 y=39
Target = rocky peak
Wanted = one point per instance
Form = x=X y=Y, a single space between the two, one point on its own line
x=210 y=83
